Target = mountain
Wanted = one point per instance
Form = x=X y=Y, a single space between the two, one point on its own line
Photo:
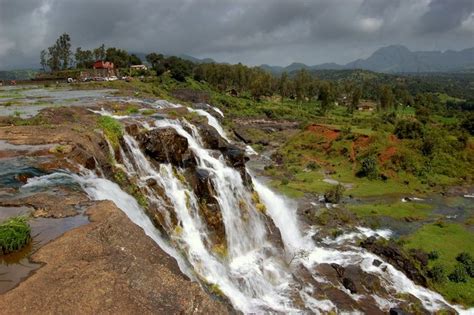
x=196 y=60
x=397 y=59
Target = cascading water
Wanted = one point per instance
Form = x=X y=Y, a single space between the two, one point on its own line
x=254 y=272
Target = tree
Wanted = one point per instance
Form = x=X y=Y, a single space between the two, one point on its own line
x=355 y=99
x=53 y=61
x=408 y=129
x=284 y=86
x=302 y=81
x=63 y=49
x=368 y=168
x=154 y=59
x=59 y=55
x=179 y=68
x=84 y=58
x=99 y=53
x=43 y=56
x=134 y=60
x=325 y=96
x=119 y=57
x=386 y=98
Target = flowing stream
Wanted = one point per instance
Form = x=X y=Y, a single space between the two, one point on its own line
x=256 y=273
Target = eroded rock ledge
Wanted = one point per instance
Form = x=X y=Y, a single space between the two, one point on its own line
x=109 y=267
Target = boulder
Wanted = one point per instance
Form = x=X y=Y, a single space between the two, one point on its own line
x=83 y=158
x=211 y=138
x=165 y=145
x=397 y=311
x=235 y=156
x=393 y=254
x=349 y=285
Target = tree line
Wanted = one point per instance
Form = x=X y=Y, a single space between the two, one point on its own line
x=301 y=86
x=60 y=56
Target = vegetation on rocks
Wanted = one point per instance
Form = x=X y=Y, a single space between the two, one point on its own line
x=15 y=233
x=113 y=130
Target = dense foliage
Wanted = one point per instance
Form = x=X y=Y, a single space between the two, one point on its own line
x=14 y=234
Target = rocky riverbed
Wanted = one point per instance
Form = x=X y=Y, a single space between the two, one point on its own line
x=241 y=244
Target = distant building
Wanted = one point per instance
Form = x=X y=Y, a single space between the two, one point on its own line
x=139 y=67
x=367 y=106
x=101 y=64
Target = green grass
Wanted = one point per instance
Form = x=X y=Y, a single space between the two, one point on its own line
x=14 y=234
x=448 y=239
x=113 y=130
x=398 y=210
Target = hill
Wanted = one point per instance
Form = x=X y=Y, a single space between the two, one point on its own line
x=397 y=59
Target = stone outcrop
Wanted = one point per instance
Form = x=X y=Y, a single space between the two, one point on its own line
x=165 y=145
x=394 y=255
x=107 y=267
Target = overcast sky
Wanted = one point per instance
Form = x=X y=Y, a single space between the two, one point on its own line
x=275 y=32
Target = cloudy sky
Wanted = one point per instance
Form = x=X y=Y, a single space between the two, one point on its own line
x=276 y=32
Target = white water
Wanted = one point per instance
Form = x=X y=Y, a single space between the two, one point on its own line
x=212 y=121
x=256 y=275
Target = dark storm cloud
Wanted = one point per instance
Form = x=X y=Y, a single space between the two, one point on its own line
x=445 y=15
x=251 y=31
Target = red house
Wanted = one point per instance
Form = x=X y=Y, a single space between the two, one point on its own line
x=101 y=64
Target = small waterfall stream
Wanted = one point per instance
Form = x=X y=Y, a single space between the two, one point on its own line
x=254 y=272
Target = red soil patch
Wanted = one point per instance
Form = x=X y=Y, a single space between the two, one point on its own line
x=326 y=132
x=387 y=154
x=360 y=143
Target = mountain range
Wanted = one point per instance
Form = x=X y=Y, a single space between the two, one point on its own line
x=396 y=59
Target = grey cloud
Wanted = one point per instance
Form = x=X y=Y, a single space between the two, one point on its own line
x=445 y=15
x=250 y=31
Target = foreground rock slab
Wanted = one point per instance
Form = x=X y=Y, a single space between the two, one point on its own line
x=109 y=267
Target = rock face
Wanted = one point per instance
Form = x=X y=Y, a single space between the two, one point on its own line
x=165 y=145
x=392 y=253
x=107 y=267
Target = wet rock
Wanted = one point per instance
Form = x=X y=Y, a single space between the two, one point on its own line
x=133 y=130
x=397 y=311
x=420 y=256
x=211 y=138
x=242 y=135
x=165 y=145
x=83 y=158
x=23 y=178
x=235 y=156
x=203 y=187
x=376 y=262
x=339 y=269
x=394 y=255
x=349 y=285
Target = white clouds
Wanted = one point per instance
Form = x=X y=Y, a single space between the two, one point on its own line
x=468 y=24
x=370 y=25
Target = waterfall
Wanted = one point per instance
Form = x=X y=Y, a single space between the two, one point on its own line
x=254 y=272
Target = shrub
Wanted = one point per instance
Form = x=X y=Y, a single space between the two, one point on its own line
x=437 y=273
x=466 y=260
x=112 y=129
x=15 y=233
x=433 y=255
x=459 y=274
x=408 y=129
x=368 y=168
x=334 y=194
x=468 y=124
